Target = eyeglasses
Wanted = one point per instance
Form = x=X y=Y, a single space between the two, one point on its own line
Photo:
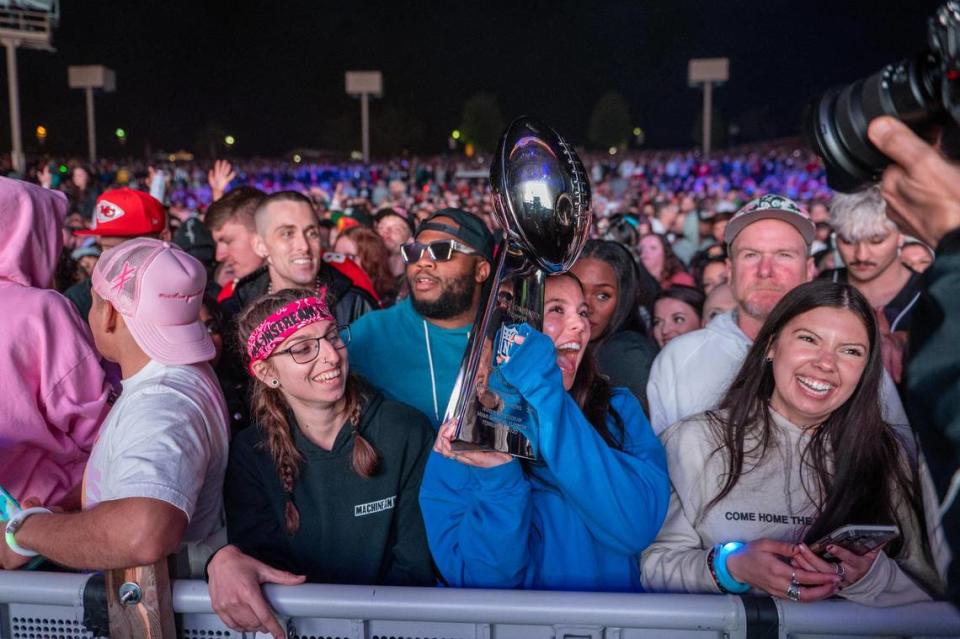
x=439 y=250
x=305 y=351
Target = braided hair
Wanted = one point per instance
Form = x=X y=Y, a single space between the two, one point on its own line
x=271 y=412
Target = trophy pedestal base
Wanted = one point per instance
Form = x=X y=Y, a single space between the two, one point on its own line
x=497 y=440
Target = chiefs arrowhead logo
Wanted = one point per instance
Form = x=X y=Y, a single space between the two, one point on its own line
x=108 y=212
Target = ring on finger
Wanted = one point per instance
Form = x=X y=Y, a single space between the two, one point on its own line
x=841 y=572
x=793 y=592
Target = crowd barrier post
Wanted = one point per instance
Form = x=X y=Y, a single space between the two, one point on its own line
x=139 y=602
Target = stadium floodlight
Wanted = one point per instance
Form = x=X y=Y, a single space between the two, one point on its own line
x=28 y=24
x=708 y=72
x=88 y=78
x=365 y=84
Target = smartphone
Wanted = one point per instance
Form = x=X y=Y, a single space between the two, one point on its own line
x=158 y=186
x=858 y=539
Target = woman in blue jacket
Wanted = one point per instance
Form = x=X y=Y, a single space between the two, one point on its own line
x=576 y=521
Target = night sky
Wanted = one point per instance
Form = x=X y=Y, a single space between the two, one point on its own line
x=271 y=73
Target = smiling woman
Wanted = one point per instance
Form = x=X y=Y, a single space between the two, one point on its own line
x=798 y=449
x=325 y=485
x=576 y=521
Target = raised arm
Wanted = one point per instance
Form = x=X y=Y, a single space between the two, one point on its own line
x=621 y=495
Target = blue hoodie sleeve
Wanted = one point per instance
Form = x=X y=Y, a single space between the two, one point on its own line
x=478 y=522
x=621 y=495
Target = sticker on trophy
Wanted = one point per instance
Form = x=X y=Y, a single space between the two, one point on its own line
x=508 y=338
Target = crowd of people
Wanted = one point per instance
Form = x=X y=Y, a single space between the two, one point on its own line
x=249 y=366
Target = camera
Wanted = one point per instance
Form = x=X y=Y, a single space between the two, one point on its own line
x=922 y=92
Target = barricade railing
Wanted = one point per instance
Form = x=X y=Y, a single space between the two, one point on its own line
x=35 y=605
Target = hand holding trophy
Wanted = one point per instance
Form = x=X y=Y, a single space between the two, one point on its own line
x=542 y=202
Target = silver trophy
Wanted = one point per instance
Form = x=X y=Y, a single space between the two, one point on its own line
x=543 y=206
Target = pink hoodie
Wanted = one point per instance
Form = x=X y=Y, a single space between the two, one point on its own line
x=52 y=387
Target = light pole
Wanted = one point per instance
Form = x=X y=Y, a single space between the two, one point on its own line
x=88 y=78
x=32 y=29
x=707 y=72
x=365 y=84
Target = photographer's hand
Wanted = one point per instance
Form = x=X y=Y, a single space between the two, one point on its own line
x=921 y=188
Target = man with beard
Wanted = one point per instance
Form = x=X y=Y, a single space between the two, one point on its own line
x=768 y=244
x=869 y=243
x=412 y=350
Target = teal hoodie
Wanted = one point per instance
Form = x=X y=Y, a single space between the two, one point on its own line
x=393 y=350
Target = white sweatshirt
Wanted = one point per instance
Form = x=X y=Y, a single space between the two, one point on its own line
x=693 y=371
x=768 y=502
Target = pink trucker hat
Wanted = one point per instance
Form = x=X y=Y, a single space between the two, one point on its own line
x=158 y=289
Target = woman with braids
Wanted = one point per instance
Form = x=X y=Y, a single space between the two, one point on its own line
x=325 y=484
x=796 y=450
x=620 y=297
x=577 y=520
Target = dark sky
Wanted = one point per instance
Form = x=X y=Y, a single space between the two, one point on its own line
x=271 y=73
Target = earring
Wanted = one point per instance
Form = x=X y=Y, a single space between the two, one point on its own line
x=274 y=382
x=769 y=360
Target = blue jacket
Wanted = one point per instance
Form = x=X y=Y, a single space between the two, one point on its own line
x=389 y=348
x=575 y=522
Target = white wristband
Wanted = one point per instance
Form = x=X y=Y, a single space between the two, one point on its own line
x=14 y=525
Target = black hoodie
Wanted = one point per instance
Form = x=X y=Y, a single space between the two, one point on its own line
x=352 y=530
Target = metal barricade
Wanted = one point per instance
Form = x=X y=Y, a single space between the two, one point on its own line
x=41 y=605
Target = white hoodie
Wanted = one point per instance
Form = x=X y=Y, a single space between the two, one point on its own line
x=693 y=371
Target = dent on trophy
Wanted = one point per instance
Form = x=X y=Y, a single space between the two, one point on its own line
x=542 y=202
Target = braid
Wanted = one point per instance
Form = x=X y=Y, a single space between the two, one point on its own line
x=269 y=410
x=269 y=413
x=364 y=458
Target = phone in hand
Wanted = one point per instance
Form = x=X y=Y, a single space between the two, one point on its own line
x=857 y=538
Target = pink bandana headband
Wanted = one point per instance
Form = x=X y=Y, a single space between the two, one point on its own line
x=288 y=320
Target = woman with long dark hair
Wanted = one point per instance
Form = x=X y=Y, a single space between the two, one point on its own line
x=325 y=483
x=575 y=521
x=677 y=311
x=797 y=449
x=619 y=298
x=662 y=263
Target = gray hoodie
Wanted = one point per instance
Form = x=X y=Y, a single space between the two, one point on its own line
x=768 y=502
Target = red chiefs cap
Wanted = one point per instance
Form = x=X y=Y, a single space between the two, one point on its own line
x=126 y=213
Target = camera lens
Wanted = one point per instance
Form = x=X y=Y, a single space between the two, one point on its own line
x=836 y=124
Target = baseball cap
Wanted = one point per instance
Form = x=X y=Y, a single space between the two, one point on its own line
x=126 y=213
x=470 y=229
x=194 y=238
x=775 y=207
x=85 y=251
x=158 y=289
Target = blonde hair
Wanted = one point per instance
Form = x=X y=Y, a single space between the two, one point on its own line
x=861 y=215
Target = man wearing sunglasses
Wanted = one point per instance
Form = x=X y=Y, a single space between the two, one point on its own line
x=412 y=350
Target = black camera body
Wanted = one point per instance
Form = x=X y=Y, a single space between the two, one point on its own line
x=922 y=92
